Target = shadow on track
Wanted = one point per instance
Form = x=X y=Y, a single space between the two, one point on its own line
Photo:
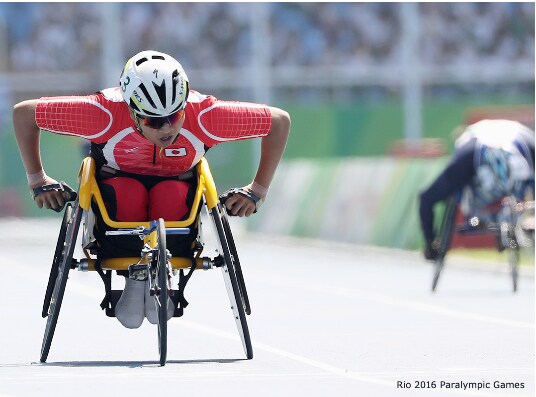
x=128 y=364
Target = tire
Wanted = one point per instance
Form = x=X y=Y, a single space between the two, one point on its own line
x=56 y=260
x=161 y=299
x=508 y=238
x=513 y=261
x=231 y=282
x=73 y=225
x=236 y=260
x=445 y=237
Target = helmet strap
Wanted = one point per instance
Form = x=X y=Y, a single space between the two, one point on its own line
x=137 y=122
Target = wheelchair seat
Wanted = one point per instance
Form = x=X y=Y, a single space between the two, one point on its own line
x=113 y=255
x=105 y=254
x=89 y=210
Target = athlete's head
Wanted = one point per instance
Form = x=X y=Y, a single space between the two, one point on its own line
x=154 y=85
x=155 y=88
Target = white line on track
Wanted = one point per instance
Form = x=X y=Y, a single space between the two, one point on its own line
x=374 y=378
x=387 y=299
x=378 y=378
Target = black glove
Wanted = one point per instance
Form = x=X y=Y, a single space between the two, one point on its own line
x=67 y=192
x=431 y=251
x=254 y=198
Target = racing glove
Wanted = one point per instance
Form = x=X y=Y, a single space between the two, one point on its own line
x=431 y=250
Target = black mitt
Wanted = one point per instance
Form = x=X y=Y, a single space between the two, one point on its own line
x=68 y=193
x=238 y=190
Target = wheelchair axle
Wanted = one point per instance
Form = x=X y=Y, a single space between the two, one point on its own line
x=204 y=263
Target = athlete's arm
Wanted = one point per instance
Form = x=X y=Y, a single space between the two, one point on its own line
x=272 y=148
x=27 y=135
x=458 y=173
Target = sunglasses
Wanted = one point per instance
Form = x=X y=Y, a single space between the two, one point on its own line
x=158 y=122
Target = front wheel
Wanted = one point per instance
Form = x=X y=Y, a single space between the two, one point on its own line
x=513 y=261
x=508 y=238
x=162 y=292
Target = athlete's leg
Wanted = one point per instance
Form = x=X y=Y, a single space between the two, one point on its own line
x=168 y=200
x=125 y=199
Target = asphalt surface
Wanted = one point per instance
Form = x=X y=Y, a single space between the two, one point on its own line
x=327 y=320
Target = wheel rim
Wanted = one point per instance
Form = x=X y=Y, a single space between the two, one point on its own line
x=61 y=281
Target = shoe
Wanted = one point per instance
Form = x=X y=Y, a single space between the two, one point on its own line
x=129 y=308
x=150 y=307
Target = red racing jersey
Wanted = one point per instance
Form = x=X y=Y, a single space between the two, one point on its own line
x=103 y=118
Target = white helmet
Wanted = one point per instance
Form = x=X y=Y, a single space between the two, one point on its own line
x=154 y=84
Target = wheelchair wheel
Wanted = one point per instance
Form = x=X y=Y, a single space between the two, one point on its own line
x=161 y=298
x=234 y=292
x=513 y=261
x=56 y=260
x=445 y=237
x=73 y=219
x=509 y=240
x=234 y=254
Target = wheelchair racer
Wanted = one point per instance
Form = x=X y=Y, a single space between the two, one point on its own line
x=144 y=134
x=492 y=159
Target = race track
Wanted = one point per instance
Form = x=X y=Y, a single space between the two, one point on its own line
x=327 y=320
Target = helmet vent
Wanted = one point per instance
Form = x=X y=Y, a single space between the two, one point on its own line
x=175 y=80
x=158 y=57
x=146 y=93
x=140 y=61
x=161 y=91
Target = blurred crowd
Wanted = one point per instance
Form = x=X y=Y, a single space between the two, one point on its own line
x=67 y=36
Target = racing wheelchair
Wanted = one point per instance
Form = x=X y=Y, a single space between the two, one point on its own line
x=502 y=219
x=155 y=262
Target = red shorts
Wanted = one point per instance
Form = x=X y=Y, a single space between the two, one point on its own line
x=129 y=200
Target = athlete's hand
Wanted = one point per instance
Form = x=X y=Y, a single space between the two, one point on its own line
x=52 y=199
x=238 y=203
x=431 y=251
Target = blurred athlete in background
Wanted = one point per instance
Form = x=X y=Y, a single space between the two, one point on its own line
x=492 y=159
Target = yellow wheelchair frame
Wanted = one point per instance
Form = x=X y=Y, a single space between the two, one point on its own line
x=154 y=255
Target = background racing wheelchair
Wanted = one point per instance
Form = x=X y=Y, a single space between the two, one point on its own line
x=510 y=220
x=152 y=259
